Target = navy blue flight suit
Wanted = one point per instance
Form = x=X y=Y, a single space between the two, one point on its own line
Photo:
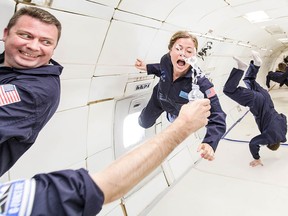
x=277 y=76
x=65 y=192
x=169 y=96
x=272 y=125
x=21 y=122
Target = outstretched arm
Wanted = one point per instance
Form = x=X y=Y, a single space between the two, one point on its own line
x=124 y=173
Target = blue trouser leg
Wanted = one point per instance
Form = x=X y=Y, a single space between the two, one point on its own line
x=250 y=76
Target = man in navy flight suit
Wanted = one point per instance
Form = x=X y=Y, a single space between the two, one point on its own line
x=280 y=75
x=29 y=82
x=272 y=125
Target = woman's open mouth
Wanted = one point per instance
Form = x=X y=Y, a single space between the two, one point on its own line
x=181 y=62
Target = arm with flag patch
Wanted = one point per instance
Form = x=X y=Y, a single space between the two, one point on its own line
x=26 y=105
x=16 y=107
x=216 y=126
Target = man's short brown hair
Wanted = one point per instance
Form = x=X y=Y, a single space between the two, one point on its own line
x=273 y=147
x=37 y=13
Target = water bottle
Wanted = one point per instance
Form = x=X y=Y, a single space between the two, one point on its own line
x=195 y=93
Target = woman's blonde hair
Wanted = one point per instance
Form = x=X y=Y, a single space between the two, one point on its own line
x=182 y=34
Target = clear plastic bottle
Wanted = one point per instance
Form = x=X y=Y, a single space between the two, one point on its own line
x=195 y=93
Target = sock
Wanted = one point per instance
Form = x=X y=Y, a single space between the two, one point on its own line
x=241 y=64
x=256 y=58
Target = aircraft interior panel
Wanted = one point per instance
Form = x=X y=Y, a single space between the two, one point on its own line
x=150 y=8
x=71 y=49
x=128 y=17
x=77 y=71
x=100 y=112
x=183 y=156
x=112 y=209
x=158 y=46
x=97 y=162
x=62 y=145
x=84 y=7
x=136 y=202
x=126 y=115
x=122 y=37
x=79 y=88
x=114 y=87
x=100 y=160
x=191 y=20
x=7 y=10
x=139 y=87
x=108 y=70
x=110 y=3
x=219 y=83
x=180 y=162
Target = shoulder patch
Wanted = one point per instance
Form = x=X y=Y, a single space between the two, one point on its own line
x=8 y=94
x=210 y=92
x=17 y=197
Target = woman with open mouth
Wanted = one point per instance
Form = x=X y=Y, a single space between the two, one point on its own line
x=177 y=70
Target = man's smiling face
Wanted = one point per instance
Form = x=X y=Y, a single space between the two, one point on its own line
x=30 y=43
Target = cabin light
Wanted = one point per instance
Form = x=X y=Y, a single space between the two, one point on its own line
x=221 y=39
x=257 y=16
x=283 y=40
x=265 y=49
x=244 y=44
x=46 y=3
x=196 y=34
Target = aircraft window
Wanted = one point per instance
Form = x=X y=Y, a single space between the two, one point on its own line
x=133 y=133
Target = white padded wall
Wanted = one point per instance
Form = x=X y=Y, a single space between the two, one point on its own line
x=114 y=87
x=74 y=93
x=158 y=10
x=111 y=3
x=124 y=43
x=84 y=7
x=100 y=127
x=7 y=10
x=61 y=144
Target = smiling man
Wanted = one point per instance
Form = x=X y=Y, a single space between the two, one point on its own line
x=29 y=81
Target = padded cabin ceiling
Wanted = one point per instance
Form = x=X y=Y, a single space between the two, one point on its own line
x=218 y=18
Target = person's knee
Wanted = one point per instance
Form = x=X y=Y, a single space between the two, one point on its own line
x=227 y=91
x=144 y=124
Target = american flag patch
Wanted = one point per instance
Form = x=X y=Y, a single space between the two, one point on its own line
x=8 y=94
x=210 y=92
